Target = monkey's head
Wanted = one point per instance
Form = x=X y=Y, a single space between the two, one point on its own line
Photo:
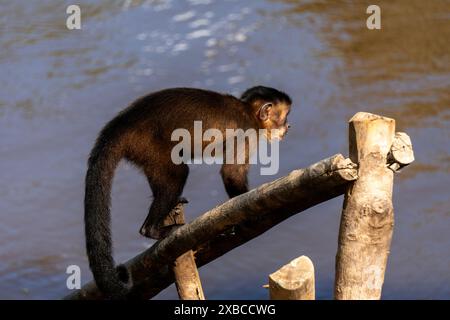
x=271 y=108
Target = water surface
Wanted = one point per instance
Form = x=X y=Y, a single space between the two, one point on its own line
x=58 y=87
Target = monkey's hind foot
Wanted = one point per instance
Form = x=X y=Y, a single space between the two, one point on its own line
x=159 y=230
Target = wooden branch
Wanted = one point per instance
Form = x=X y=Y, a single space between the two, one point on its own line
x=187 y=279
x=294 y=281
x=233 y=223
x=367 y=217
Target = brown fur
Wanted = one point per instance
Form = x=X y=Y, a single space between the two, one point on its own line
x=141 y=134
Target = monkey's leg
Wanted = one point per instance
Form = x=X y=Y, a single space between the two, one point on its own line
x=167 y=185
x=234 y=178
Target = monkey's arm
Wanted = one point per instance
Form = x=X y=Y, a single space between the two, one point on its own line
x=234 y=178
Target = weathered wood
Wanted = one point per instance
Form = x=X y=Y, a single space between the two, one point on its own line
x=233 y=223
x=187 y=279
x=401 y=153
x=367 y=217
x=294 y=281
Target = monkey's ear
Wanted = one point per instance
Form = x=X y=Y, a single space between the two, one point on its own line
x=264 y=111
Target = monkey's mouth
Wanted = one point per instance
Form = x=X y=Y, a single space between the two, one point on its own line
x=272 y=138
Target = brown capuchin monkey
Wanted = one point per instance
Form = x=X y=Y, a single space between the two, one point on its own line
x=141 y=134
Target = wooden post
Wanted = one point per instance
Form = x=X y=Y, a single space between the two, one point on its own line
x=187 y=279
x=294 y=281
x=367 y=217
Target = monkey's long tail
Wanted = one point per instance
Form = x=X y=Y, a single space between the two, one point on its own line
x=114 y=282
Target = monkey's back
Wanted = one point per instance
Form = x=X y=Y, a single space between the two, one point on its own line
x=144 y=129
x=164 y=111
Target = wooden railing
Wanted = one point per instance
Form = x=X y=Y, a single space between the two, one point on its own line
x=366 y=179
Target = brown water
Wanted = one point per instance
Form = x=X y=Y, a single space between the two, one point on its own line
x=58 y=87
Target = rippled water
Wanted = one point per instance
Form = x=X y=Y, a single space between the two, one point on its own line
x=58 y=87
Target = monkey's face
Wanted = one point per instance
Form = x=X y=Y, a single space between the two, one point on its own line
x=274 y=116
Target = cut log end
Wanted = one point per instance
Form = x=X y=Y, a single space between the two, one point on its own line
x=294 y=281
x=401 y=152
x=346 y=169
x=367 y=116
x=175 y=216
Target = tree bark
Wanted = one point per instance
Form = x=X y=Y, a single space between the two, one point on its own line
x=233 y=223
x=294 y=281
x=187 y=279
x=367 y=217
